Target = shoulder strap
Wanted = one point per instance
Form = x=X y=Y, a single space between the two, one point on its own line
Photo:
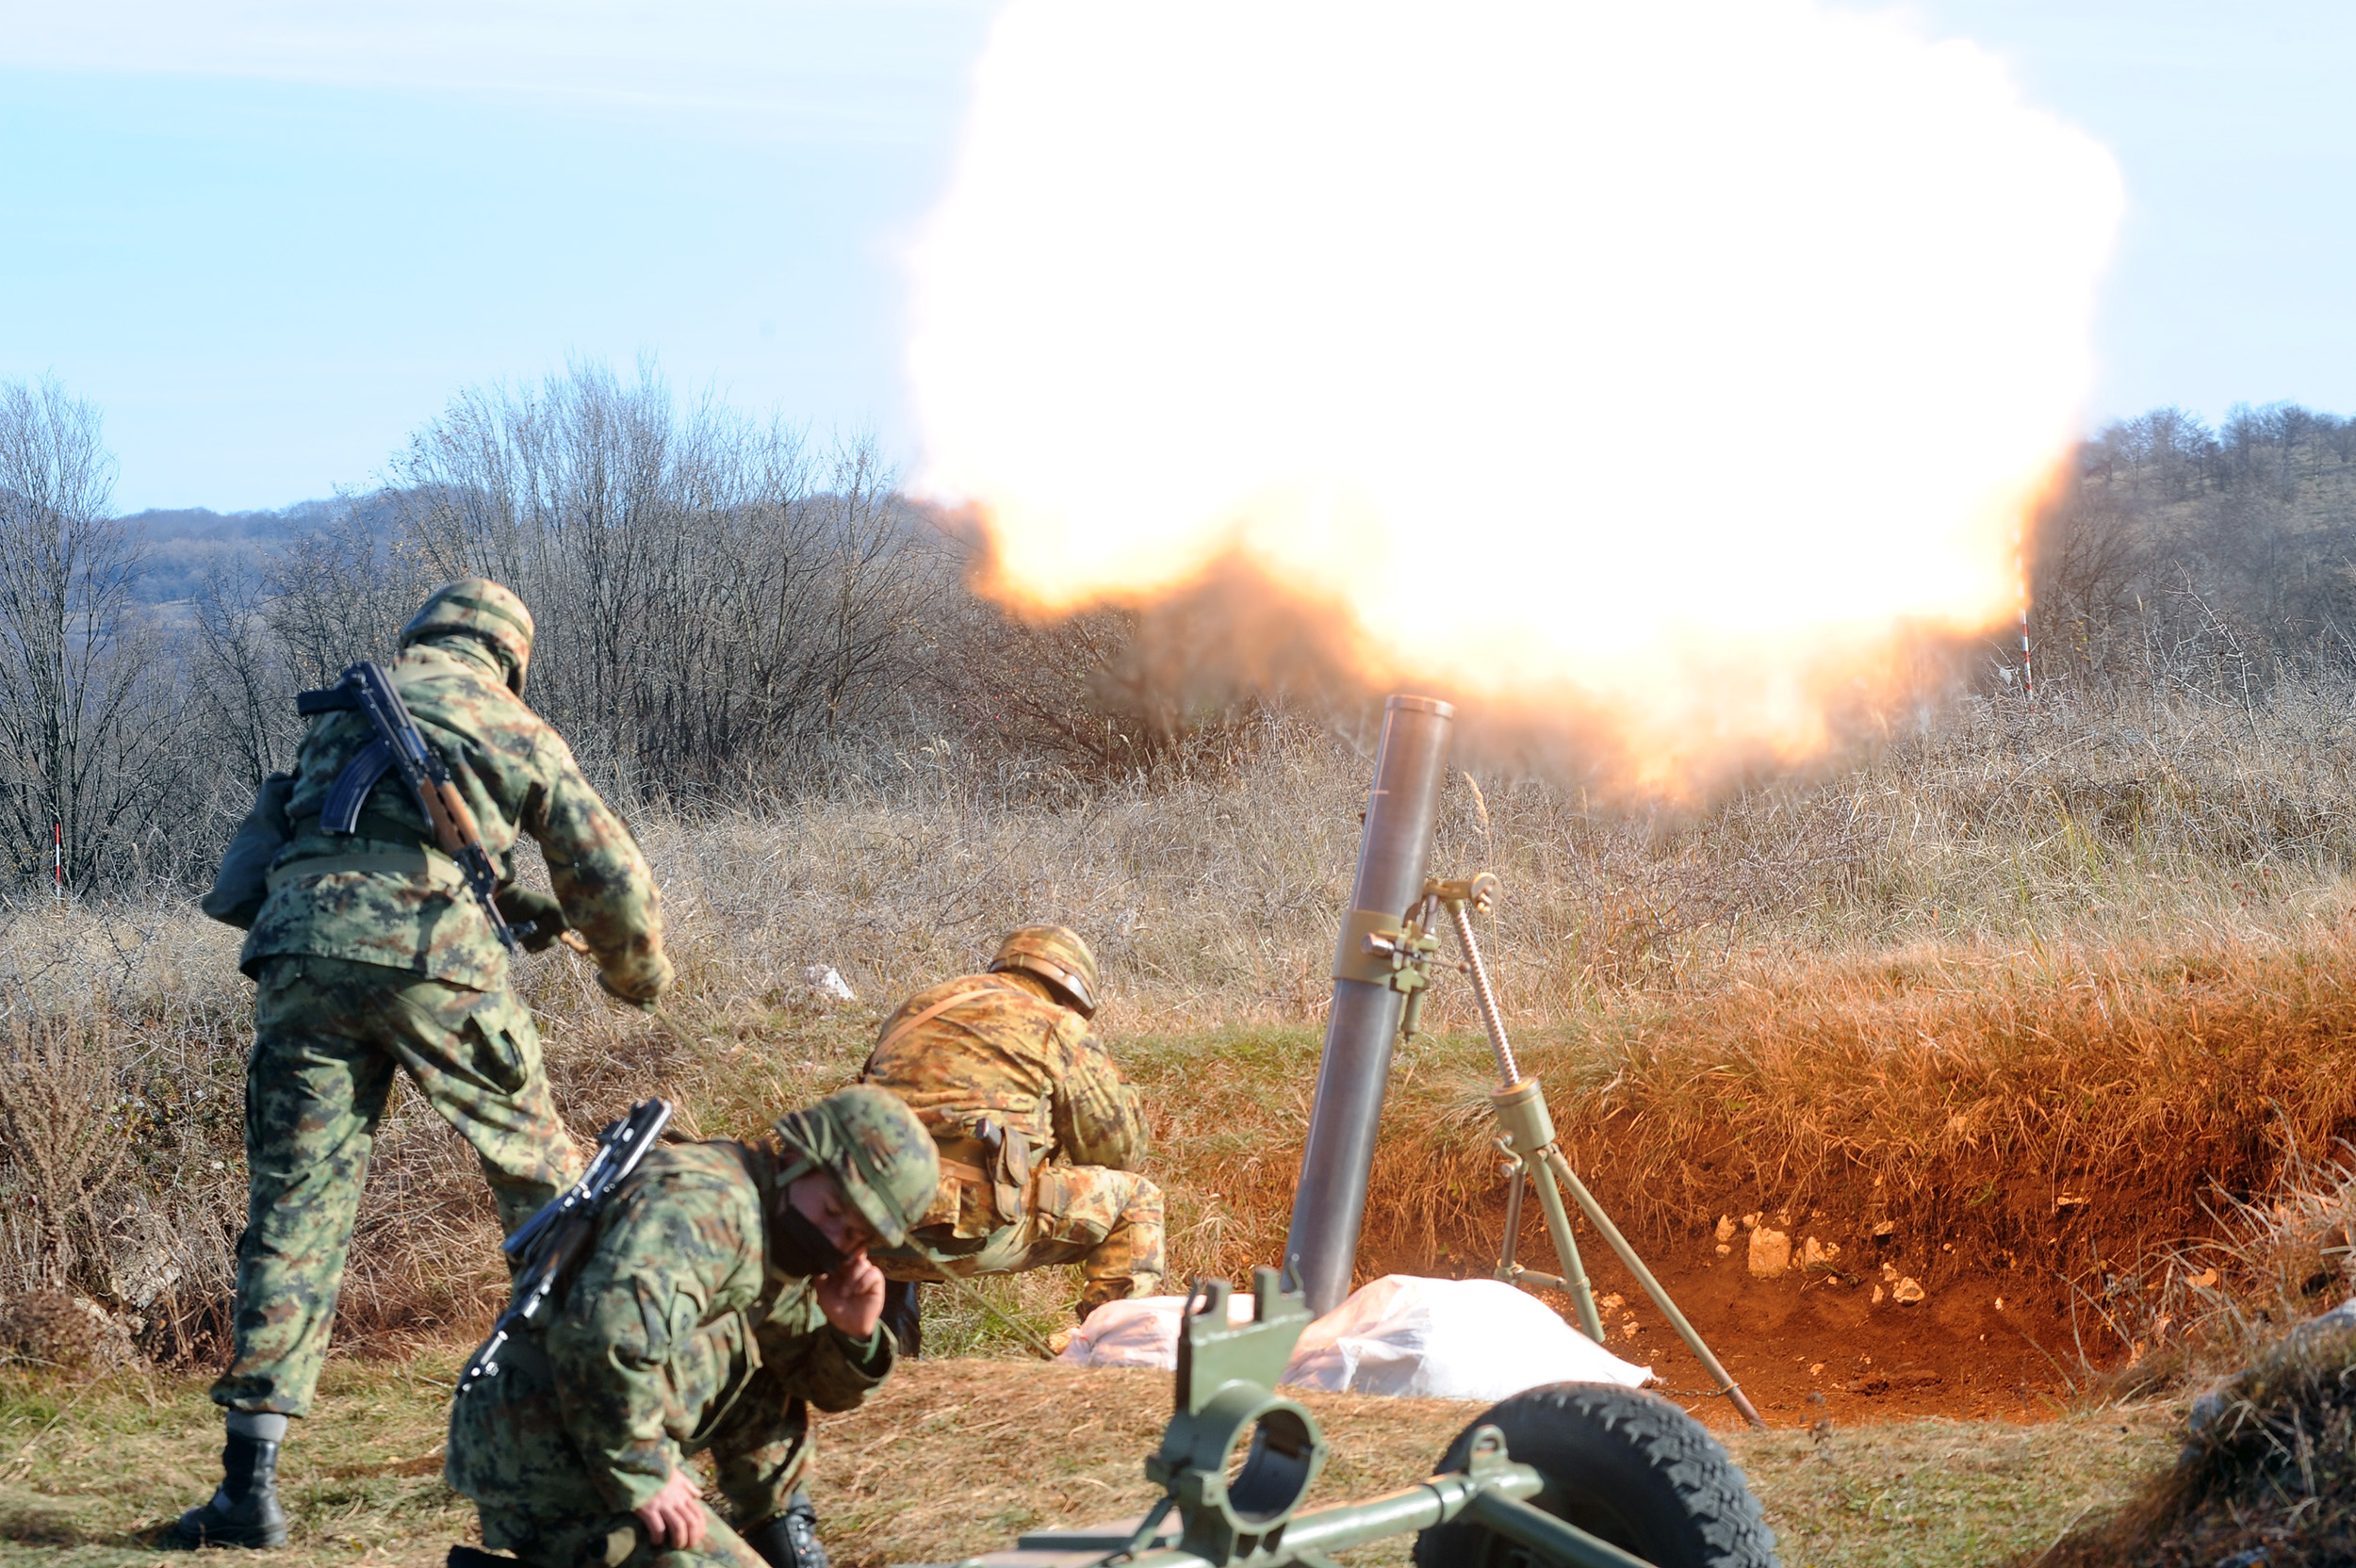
x=908 y=1026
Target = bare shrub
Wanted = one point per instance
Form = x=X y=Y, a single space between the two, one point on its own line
x=62 y=1111
x=91 y=739
x=716 y=601
x=53 y=1330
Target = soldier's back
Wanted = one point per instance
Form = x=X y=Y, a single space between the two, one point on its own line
x=993 y=1046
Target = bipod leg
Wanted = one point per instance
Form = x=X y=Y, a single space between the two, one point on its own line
x=1560 y=1170
x=1515 y=1177
x=1566 y=1249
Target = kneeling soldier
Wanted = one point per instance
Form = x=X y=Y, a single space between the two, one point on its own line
x=726 y=1286
x=1039 y=1136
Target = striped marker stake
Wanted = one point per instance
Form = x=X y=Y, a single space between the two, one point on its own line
x=2021 y=570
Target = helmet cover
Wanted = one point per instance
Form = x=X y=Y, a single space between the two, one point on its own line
x=875 y=1150
x=1056 y=954
x=478 y=608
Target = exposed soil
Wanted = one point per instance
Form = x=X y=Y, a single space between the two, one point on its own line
x=1809 y=1346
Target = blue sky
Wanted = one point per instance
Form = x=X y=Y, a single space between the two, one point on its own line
x=271 y=238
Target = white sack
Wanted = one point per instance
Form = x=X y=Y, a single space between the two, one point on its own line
x=1140 y=1331
x=1448 y=1339
x=1401 y=1336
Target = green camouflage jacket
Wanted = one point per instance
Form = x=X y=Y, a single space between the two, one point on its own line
x=518 y=775
x=1006 y=1052
x=676 y=1335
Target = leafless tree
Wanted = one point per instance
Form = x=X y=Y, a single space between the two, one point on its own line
x=343 y=592
x=715 y=603
x=240 y=683
x=88 y=724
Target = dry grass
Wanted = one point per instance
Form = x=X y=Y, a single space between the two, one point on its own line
x=88 y=1472
x=1997 y=961
x=2264 y=1475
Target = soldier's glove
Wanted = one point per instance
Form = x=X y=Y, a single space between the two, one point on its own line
x=522 y=906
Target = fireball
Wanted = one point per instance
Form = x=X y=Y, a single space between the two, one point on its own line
x=1674 y=365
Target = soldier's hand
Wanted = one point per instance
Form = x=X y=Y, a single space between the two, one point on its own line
x=852 y=1295
x=521 y=906
x=675 y=1515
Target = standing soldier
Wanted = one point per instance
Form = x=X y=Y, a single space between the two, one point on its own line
x=725 y=1287
x=369 y=953
x=1039 y=1136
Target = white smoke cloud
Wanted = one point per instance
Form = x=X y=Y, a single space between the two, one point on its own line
x=1663 y=345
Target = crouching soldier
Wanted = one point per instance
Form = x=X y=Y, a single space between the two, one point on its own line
x=726 y=1288
x=1039 y=1136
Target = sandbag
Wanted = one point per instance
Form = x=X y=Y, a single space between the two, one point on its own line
x=1139 y=1332
x=1399 y=1336
x=1416 y=1338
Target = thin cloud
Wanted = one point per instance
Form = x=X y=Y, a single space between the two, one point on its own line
x=802 y=69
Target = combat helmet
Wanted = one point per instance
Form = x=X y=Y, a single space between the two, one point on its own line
x=1056 y=954
x=478 y=608
x=875 y=1150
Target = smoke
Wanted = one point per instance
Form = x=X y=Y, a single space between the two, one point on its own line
x=1672 y=368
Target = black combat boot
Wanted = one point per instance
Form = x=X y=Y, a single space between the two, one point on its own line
x=790 y=1538
x=244 y=1512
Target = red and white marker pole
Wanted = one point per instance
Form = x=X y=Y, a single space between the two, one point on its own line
x=2020 y=568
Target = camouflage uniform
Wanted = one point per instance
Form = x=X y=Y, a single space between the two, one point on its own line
x=370 y=954
x=1039 y=1140
x=680 y=1334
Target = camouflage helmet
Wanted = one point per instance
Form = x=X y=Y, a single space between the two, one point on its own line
x=1056 y=954
x=875 y=1150
x=478 y=608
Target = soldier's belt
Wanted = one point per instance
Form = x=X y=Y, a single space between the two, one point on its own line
x=392 y=862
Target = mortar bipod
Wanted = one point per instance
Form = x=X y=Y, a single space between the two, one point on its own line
x=1530 y=1146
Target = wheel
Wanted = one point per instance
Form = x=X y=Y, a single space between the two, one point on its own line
x=1624 y=1465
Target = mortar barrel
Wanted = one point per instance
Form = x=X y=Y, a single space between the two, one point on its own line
x=1330 y=1202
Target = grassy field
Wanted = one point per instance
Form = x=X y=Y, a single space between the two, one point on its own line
x=2045 y=1011
x=89 y=1473
x=1985 y=966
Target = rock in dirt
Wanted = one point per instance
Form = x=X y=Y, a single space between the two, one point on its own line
x=1907 y=1292
x=1818 y=1254
x=1771 y=1252
x=51 y=1329
x=1725 y=1228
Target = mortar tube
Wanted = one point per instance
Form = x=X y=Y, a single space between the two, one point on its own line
x=1330 y=1202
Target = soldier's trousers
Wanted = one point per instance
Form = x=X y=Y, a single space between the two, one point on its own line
x=328 y=1036
x=511 y=1452
x=1107 y=1221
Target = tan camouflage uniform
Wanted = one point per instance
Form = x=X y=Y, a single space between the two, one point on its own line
x=680 y=1334
x=1039 y=1140
x=370 y=955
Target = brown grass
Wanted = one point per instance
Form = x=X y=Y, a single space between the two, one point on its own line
x=955 y=1457
x=1996 y=961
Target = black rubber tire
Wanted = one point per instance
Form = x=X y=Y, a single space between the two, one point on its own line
x=1620 y=1463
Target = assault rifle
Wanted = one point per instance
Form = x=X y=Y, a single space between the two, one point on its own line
x=550 y=1243
x=401 y=747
